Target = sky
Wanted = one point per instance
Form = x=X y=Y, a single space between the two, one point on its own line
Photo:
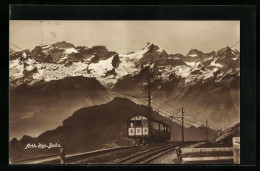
x=127 y=36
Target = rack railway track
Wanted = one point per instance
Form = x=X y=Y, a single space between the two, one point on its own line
x=134 y=155
x=151 y=154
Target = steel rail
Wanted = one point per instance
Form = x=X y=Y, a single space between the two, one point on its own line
x=55 y=158
x=150 y=154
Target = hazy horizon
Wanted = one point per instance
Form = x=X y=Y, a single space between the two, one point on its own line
x=127 y=36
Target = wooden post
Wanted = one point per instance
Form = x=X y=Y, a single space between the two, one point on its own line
x=62 y=156
x=177 y=156
x=178 y=153
x=236 y=150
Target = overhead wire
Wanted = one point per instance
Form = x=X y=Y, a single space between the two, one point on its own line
x=168 y=104
x=167 y=113
x=163 y=111
x=235 y=44
x=15 y=46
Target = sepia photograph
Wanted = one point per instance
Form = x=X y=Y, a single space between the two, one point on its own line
x=124 y=92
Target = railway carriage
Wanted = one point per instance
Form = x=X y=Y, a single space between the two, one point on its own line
x=138 y=129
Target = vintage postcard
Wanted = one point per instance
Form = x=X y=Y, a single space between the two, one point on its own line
x=124 y=92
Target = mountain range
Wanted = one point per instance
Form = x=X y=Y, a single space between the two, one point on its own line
x=50 y=82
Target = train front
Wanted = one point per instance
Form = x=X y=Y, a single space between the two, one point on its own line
x=138 y=129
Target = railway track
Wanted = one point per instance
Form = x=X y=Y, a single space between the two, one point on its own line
x=55 y=159
x=113 y=157
x=135 y=155
x=151 y=154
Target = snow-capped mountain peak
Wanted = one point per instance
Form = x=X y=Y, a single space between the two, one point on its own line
x=194 y=53
x=60 y=60
x=228 y=52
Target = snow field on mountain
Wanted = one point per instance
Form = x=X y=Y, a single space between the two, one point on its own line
x=15 y=69
x=216 y=64
x=70 y=50
x=207 y=59
x=47 y=50
x=186 y=72
x=193 y=55
x=191 y=63
x=100 y=68
x=137 y=55
x=126 y=67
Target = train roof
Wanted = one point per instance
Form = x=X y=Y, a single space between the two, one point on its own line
x=156 y=117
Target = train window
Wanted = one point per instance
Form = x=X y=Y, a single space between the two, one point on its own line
x=156 y=125
x=165 y=128
x=131 y=123
x=161 y=127
x=138 y=123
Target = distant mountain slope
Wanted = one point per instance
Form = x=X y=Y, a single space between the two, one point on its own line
x=96 y=127
x=34 y=109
